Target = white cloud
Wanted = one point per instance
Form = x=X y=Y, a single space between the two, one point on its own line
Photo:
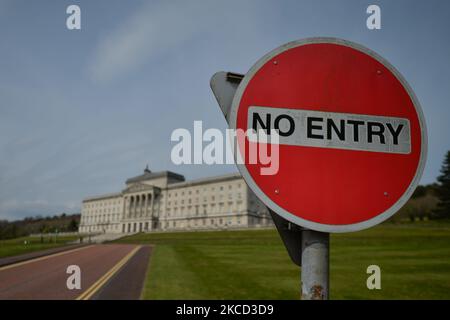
x=168 y=27
x=149 y=32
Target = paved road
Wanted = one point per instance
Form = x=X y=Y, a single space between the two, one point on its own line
x=127 y=284
x=45 y=277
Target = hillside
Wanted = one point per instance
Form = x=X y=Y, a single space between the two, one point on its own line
x=27 y=226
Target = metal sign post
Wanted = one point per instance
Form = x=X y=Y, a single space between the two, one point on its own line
x=315 y=265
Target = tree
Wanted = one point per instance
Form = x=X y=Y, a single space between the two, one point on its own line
x=420 y=191
x=73 y=225
x=443 y=190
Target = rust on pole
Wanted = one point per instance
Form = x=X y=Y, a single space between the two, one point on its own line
x=315 y=265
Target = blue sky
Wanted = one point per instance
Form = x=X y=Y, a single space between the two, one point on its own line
x=81 y=111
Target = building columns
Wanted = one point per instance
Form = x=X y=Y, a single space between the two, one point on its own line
x=146 y=205
x=151 y=205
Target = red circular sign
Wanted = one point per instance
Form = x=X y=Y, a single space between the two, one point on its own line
x=352 y=134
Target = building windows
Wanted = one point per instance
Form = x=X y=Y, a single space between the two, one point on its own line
x=228 y=201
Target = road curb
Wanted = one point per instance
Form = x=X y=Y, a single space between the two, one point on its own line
x=37 y=254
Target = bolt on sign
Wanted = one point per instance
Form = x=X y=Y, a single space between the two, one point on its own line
x=352 y=136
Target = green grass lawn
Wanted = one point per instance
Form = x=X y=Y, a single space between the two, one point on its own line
x=414 y=261
x=17 y=246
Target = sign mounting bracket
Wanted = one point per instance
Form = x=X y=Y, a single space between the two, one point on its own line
x=224 y=86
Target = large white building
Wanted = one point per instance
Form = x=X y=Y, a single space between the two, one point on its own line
x=158 y=201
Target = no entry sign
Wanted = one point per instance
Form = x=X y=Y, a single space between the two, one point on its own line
x=352 y=143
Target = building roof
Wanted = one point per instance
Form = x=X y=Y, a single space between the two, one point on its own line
x=152 y=175
x=148 y=175
x=225 y=177
x=103 y=196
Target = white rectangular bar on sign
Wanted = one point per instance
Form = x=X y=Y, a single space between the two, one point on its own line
x=332 y=130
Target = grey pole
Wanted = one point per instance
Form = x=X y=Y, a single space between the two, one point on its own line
x=315 y=265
